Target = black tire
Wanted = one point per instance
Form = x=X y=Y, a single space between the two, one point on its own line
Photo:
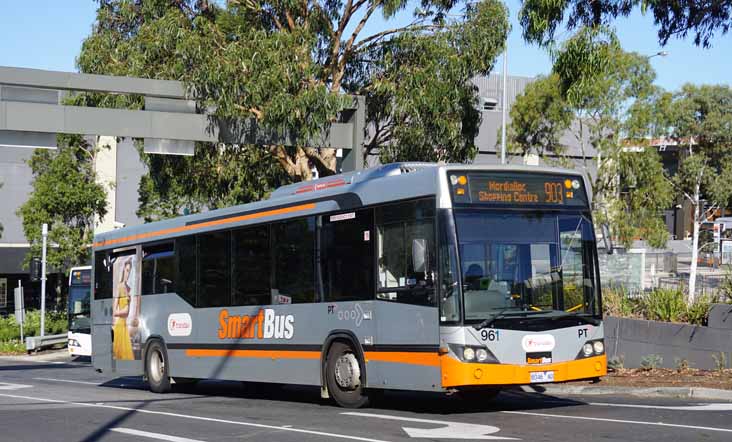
x=346 y=397
x=156 y=367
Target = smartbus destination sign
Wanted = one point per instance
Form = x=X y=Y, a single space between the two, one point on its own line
x=518 y=189
x=507 y=192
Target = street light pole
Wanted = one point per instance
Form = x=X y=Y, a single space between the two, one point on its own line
x=44 y=233
x=503 y=106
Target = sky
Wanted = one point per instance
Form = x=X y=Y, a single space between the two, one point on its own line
x=47 y=34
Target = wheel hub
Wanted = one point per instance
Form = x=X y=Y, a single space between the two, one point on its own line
x=157 y=366
x=348 y=372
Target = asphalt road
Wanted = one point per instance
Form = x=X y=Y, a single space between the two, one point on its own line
x=55 y=401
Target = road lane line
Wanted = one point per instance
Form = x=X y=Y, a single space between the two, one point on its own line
x=619 y=421
x=447 y=430
x=66 y=380
x=157 y=436
x=698 y=407
x=200 y=418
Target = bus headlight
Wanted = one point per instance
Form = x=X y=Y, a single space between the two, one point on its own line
x=587 y=349
x=481 y=355
x=599 y=347
x=473 y=353
x=468 y=354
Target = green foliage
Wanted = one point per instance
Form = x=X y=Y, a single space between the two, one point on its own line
x=56 y=323
x=651 y=362
x=67 y=197
x=697 y=312
x=540 y=19
x=664 y=305
x=720 y=361
x=725 y=287
x=286 y=67
x=539 y=118
x=12 y=348
x=616 y=362
x=600 y=108
x=616 y=302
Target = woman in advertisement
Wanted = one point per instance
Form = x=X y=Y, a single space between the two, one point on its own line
x=122 y=346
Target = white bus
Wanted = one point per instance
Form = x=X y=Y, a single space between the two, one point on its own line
x=79 y=311
x=406 y=276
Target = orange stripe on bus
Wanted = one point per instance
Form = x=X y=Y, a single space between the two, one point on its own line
x=401 y=357
x=217 y=222
x=267 y=354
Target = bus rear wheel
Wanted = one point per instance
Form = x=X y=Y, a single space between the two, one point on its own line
x=156 y=368
x=344 y=378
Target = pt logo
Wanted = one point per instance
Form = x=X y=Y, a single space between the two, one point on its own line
x=356 y=314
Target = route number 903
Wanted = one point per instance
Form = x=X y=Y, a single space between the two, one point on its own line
x=490 y=335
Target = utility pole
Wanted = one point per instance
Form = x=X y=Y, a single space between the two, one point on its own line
x=44 y=233
x=503 y=105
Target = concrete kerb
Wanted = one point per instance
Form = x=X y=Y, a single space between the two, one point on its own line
x=651 y=392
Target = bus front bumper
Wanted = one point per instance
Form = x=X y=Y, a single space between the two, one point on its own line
x=458 y=374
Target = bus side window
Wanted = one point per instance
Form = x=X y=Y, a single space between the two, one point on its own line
x=214 y=269
x=158 y=269
x=347 y=256
x=406 y=252
x=293 y=246
x=250 y=266
x=185 y=249
x=102 y=276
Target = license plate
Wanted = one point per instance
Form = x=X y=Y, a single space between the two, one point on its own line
x=542 y=376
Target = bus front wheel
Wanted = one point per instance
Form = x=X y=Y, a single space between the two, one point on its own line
x=156 y=368
x=343 y=376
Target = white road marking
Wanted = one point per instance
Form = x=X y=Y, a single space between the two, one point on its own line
x=200 y=418
x=700 y=407
x=9 y=386
x=449 y=430
x=157 y=436
x=66 y=380
x=619 y=421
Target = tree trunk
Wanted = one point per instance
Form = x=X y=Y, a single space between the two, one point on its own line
x=694 y=245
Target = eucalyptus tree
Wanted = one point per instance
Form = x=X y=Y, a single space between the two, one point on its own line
x=290 y=66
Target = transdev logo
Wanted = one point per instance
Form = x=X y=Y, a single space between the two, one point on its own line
x=180 y=324
x=533 y=343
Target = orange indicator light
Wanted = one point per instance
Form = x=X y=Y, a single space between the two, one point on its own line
x=570 y=194
x=568 y=183
x=462 y=180
x=460 y=191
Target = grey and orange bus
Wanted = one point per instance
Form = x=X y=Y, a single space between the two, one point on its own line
x=442 y=278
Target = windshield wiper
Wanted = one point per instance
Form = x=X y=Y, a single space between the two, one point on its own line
x=489 y=320
x=586 y=319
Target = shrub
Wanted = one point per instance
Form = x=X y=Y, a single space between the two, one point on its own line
x=616 y=302
x=698 y=312
x=616 y=362
x=651 y=362
x=12 y=347
x=56 y=323
x=664 y=305
x=720 y=360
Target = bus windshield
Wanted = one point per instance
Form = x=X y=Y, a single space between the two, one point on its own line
x=79 y=308
x=526 y=261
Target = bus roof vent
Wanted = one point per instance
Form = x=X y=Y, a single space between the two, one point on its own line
x=391 y=170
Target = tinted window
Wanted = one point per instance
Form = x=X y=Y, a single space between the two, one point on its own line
x=293 y=245
x=347 y=257
x=213 y=270
x=406 y=252
x=158 y=269
x=186 y=254
x=102 y=276
x=251 y=266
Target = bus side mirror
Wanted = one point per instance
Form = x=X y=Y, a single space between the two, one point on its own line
x=419 y=254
